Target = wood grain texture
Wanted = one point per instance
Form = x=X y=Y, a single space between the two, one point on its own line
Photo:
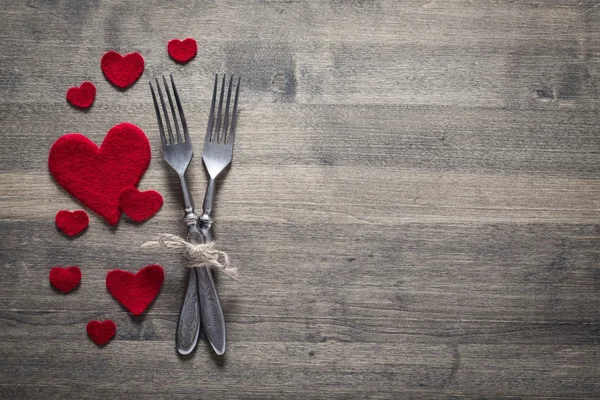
x=414 y=202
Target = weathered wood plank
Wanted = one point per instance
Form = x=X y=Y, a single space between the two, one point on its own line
x=413 y=202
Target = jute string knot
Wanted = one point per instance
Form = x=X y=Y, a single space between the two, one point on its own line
x=197 y=255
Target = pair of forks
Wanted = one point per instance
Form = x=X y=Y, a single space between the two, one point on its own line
x=201 y=306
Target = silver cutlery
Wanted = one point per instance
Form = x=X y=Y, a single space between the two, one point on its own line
x=201 y=306
x=217 y=155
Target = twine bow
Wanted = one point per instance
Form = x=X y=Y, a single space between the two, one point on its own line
x=197 y=255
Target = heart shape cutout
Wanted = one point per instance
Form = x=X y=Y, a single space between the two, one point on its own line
x=135 y=291
x=122 y=71
x=101 y=332
x=82 y=96
x=139 y=206
x=182 y=51
x=72 y=223
x=65 y=279
x=96 y=176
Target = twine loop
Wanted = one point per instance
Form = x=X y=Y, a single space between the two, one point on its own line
x=196 y=254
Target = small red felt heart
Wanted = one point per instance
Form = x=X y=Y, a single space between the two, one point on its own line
x=82 y=96
x=139 y=206
x=96 y=176
x=122 y=71
x=101 y=332
x=135 y=292
x=72 y=223
x=182 y=50
x=65 y=279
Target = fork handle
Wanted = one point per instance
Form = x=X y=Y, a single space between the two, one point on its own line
x=211 y=312
x=189 y=322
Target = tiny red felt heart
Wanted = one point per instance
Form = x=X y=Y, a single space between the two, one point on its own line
x=101 y=332
x=72 y=223
x=82 y=96
x=96 y=176
x=139 y=206
x=122 y=71
x=182 y=50
x=65 y=279
x=135 y=291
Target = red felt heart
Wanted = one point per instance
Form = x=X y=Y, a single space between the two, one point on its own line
x=135 y=292
x=122 y=71
x=72 y=223
x=96 y=176
x=139 y=206
x=65 y=279
x=101 y=332
x=82 y=96
x=182 y=50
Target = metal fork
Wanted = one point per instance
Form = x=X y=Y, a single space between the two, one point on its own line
x=178 y=153
x=218 y=145
x=217 y=155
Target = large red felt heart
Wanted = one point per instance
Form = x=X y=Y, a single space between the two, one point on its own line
x=96 y=176
x=72 y=223
x=82 y=96
x=182 y=50
x=122 y=71
x=139 y=206
x=137 y=291
x=65 y=279
x=101 y=332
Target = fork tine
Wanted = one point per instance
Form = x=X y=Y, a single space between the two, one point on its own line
x=211 y=116
x=226 y=118
x=159 y=119
x=218 y=128
x=180 y=108
x=175 y=122
x=165 y=113
x=234 y=113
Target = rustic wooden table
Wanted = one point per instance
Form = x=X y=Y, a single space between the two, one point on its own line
x=413 y=204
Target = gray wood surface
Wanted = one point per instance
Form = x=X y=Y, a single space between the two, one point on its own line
x=414 y=202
